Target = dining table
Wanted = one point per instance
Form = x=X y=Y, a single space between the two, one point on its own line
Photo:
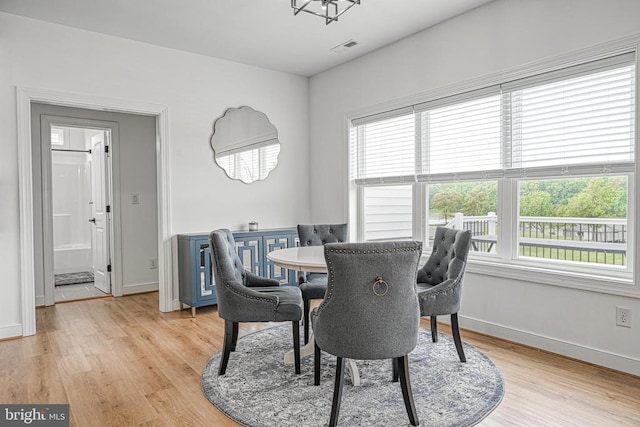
x=311 y=260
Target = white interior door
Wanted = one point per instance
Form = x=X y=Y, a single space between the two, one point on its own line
x=100 y=234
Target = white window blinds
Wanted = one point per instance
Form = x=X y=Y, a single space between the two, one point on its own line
x=385 y=150
x=577 y=121
x=462 y=137
x=583 y=120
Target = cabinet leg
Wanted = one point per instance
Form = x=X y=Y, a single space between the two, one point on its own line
x=193 y=312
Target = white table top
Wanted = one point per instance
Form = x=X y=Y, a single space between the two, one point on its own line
x=304 y=258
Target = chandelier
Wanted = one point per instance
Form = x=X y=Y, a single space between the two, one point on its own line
x=330 y=10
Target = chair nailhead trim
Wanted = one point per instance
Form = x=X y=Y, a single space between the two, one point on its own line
x=331 y=272
x=371 y=251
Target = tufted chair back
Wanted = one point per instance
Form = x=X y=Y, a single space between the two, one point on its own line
x=360 y=319
x=229 y=267
x=448 y=257
x=316 y=235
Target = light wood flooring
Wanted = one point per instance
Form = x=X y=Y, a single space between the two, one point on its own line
x=77 y=291
x=120 y=362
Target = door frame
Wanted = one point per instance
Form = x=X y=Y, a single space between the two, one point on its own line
x=24 y=97
x=112 y=172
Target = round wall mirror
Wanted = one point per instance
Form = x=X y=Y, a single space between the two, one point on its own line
x=245 y=144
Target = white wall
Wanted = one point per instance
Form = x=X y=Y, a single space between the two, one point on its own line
x=196 y=90
x=491 y=39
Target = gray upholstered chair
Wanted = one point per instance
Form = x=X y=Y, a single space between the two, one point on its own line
x=314 y=285
x=440 y=281
x=370 y=310
x=246 y=297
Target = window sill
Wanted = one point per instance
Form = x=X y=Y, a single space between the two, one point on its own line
x=569 y=279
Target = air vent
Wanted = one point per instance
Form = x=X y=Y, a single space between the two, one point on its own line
x=344 y=46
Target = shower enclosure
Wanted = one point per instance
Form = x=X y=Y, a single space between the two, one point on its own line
x=71 y=198
x=75 y=205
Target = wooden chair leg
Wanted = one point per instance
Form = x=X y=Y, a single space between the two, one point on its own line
x=394 y=368
x=296 y=345
x=405 y=385
x=234 y=336
x=307 y=307
x=316 y=364
x=337 y=392
x=456 y=337
x=228 y=344
x=434 y=328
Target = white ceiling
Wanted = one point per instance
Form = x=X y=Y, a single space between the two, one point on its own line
x=264 y=33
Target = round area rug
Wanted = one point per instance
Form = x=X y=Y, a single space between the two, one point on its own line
x=259 y=390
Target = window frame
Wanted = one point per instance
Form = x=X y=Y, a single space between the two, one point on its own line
x=506 y=262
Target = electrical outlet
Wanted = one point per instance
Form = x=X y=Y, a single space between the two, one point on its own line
x=623 y=317
x=153 y=263
x=135 y=198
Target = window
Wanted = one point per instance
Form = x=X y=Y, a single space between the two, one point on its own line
x=467 y=205
x=580 y=220
x=462 y=137
x=58 y=136
x=387 y=212
x=539 y=169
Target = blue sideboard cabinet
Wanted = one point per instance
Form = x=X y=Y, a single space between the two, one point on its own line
x=195 y=273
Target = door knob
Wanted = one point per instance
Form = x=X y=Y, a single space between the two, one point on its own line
x=93 y=220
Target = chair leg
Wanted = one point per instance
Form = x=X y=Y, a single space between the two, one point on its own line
x=394 y=368
x=234 y=336
x=296 y=345
x=405 y=385
x=434 y=328
x=307 y=307
x=228 y=344
x=456 y=337
x=337 y=392
x=316 y=364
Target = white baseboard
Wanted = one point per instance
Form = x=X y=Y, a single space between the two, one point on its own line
x=177 y=305
x=575 y=351
x=11 y=331
x=40 y=301
x=139 y=288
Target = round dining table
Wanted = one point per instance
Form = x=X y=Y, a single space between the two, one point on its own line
x=309 y=259
x=301 y=258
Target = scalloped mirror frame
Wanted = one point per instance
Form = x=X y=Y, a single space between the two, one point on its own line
x=245 y=144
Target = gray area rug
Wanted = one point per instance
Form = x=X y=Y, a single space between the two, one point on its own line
x=259 y=390
x=74 y=278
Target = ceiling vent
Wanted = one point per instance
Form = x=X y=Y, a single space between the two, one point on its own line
x=344 y=46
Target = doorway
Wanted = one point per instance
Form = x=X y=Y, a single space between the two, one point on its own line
x=29 y=188
x=80 y=194
x=123 y=214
